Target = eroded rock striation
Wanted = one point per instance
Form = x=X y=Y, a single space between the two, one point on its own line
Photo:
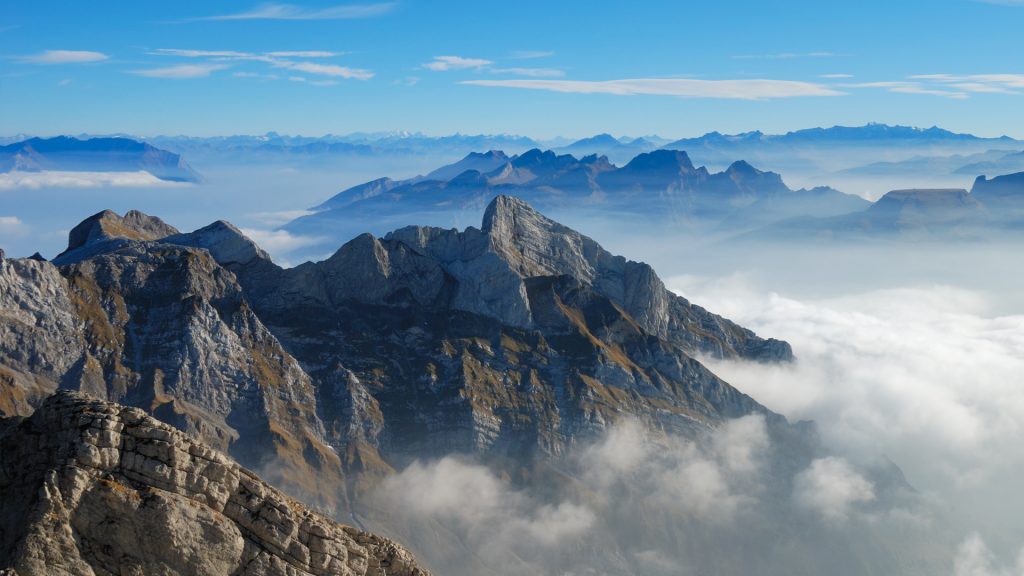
x=92 y=487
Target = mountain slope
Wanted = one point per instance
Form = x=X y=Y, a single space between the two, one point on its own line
x=95 y=487
x=63 y=153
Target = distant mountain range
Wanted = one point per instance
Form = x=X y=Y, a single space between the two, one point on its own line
x=992 y=209
x=662 y=187
x=62 y=154
x=708 y=148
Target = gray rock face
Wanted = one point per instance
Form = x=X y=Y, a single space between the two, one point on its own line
x=165 y=328
x=40 y=334
x=92 y=487
x=517 y=242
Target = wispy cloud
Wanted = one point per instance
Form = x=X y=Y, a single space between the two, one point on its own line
x=530 y=54
x=445 y=63
x=1007 y=83
x=325 y=69
x=65 y=57
x=680 y=87
x=835 y=76
x=532 y=72
x=957 y=87
x=272 y=11
x=256 y=76
x=304 y=54
x=279 y=59
x=783 y=56
x=181 y=71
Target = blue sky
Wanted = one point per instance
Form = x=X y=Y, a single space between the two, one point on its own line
x=528 y=67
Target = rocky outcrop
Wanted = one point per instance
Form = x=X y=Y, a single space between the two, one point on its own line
x=165 y=328
x=92 y=487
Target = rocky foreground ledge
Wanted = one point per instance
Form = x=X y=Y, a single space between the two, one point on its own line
x=91 y=487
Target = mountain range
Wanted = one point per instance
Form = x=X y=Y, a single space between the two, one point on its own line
x=992 y=209
x=519 y=345
x=661 y=187
x=63 y=154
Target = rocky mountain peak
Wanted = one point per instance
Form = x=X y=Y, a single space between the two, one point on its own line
x=226 y=243
x=108 y=225
x=95 y=487
x=661 y=160
x=531 y=243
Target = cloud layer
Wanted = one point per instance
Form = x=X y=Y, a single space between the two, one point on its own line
x=47 y=179
x=282 y=59
x=924 y=375
x=66 y=57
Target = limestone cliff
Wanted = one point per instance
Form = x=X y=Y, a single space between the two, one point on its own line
x=92 y=487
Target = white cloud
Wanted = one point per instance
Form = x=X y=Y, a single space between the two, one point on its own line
x=492 y=516
x=973 y=558
x=304 y=54
x=279 y=242
x=279 y=59
x=47 y=179
x=445 y=63
x=533 y=72
x=958 y=87
x=325 y=69
x=65 y=57
x=272 y=11
x=681 y=87
x=256 y=75
x=831 y=487
x=905 y=87
x=181 y=71
x=925 y=375
x=530 y=54
x=710 y=480
x=835 y=76
x=12 y=227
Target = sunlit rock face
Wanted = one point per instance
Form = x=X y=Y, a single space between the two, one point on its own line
x=93 y=487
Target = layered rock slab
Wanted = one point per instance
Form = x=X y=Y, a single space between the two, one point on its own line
x=93 y=487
